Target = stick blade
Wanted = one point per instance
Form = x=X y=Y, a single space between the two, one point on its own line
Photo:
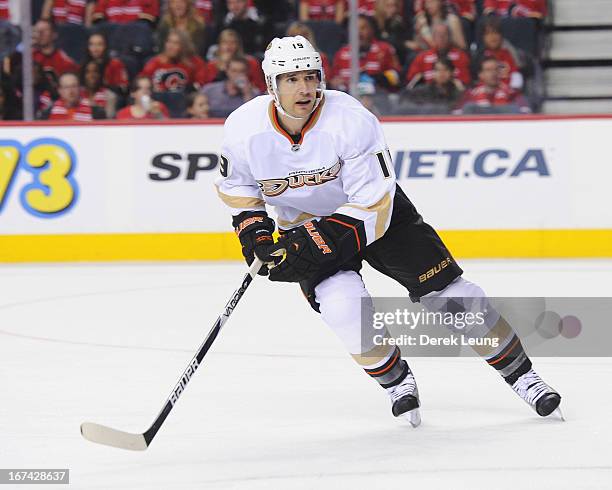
x=108 y=436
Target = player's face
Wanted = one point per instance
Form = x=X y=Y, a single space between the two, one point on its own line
x=297 y=91
x=96 y=46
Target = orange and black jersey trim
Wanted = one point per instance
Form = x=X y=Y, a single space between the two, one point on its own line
x=295 y=139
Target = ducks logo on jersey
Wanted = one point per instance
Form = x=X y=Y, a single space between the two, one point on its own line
x=275 y=187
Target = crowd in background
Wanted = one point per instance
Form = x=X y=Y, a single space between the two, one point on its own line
x=156 y=59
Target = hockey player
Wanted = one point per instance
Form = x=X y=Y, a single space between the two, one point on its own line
x=321 y=160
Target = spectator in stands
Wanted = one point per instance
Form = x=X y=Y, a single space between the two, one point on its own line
x=246 y=22
x=301 y=29
x=68 y=11
x=197 y=106
x=10 y=99
x=226 y=96
x=436 y=11
x=465 y=9
x=391 y=26
x=93 y=89
x=365 y=7
x=377 y=60
x=494 y=46
x=181 y=14
x=3 y=106
x=143 y=106
x=442 y=94
x=228 y=47
x=422 y=68
x=53 y=60
x=125 y=11
x=492 y=95
x=206 y=10
x=5 y=14
x=536 y=9
x=71 y=106
x=177 y=68
x=115 y=74
x=44 y=92
x=322 y=10
x=10 y=34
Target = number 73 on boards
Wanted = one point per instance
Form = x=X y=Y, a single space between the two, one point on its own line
x=52 y=189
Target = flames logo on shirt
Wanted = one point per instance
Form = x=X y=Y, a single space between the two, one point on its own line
x=275 y=187
x=171 y=80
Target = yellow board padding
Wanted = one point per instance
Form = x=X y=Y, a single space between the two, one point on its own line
x=224 y=246
x=580 y=243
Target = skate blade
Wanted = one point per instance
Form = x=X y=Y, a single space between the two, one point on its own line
x=413 y=417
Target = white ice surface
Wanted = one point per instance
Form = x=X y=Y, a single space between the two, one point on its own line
x=277 y=404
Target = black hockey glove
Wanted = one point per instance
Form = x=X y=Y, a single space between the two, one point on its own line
x=254 y=230
x=316 y=246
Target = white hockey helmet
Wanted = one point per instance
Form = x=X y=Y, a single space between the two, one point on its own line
x=287 y=55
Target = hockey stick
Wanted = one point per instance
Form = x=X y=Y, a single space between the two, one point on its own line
x=139 y=442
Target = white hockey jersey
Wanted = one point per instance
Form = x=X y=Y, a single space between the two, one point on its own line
x=341 y=164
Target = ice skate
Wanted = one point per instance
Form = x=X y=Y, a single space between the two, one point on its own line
x=541 y=397
x=405 y=400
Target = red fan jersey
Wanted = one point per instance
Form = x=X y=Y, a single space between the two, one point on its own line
x=465 y=8
x=4 y=10
x=425 y=61
x=55 y=64
x=168 y=76
x=205 y=9
x=481 y=96
x=524 y=8
x=367 y=7
x=44 y=101
x=115 y=74
x=126 y=113
x=124 y=11
x=100 y=98
x=321 y=9
x=507 y=64
x=380 y=58
x=69 y=11
x=82 y=112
